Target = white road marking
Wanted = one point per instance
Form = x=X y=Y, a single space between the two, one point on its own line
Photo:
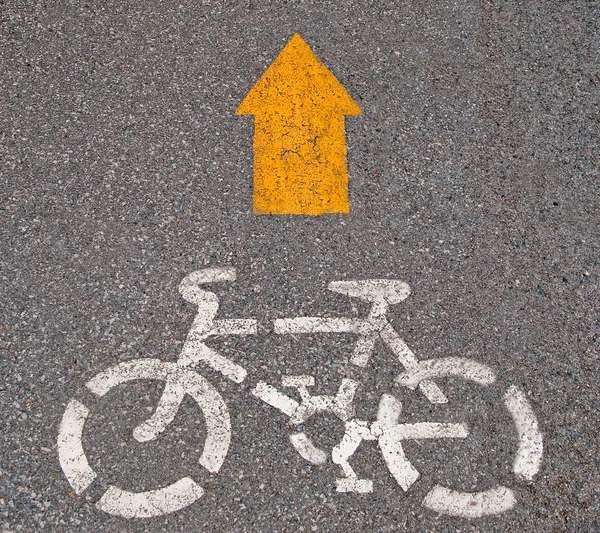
x=448 y=366
x=356 y=432
x=367 y=328
x=70 y=450
x=151 y=503
x=387 y=423
x=429 y=430
x=204 y=325
x=388 y=413
x=343 y=401
x=389 y=291
x=390 y=435
x=311 y=324
x=195 y=352
x=300 y=382
x=396 y=343
x=408 y=360
x=531 y=448
x=216 y=415
x=399 y=466
x=363 y=350
x=275 y=398
x=179 y=382
x=432 y=392
x=469 y=505
x=386 y=429
x=341 y=405
x=166 y=411
x=353 y=484
x=102 y=382
x=307 y=449
x=208 y=305
x=209 y=275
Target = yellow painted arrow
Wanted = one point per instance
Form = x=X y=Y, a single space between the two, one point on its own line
x=299 y=137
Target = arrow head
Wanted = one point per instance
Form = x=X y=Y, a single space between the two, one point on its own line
x=297 y=78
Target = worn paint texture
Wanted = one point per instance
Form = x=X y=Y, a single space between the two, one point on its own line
x=299 y=138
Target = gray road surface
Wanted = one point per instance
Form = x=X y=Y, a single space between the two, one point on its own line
x=473 y=177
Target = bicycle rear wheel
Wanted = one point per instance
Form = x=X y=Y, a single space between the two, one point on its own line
x=164 y=500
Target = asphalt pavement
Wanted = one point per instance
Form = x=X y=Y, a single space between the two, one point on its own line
x=472 y=177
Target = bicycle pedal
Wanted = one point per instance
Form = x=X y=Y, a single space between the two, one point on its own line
x=350 y=484
x=298 y=381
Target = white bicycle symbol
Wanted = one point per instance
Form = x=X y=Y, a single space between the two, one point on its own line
x=386 y=429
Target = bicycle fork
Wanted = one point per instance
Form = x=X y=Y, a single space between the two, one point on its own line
x=195 y=350
x=369 y=330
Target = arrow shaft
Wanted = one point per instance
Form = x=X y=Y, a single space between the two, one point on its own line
x=300 y=163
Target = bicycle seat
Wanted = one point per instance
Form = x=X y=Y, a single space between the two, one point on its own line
x=391 y=291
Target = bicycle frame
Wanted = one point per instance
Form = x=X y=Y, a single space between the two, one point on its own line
x=386 y=429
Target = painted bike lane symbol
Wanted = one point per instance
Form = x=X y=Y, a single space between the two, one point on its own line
x=387 y=429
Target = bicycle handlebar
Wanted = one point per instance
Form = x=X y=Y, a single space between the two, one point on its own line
x=208 y=275
x=190 y=290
